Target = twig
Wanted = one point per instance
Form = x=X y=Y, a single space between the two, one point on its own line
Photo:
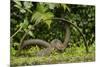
x=16 y=32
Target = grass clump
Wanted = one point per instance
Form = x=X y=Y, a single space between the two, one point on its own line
x=70 y=55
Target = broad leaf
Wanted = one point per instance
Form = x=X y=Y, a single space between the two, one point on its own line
x=30 y=33
x=18 y=2
x=22 y=10
x=41 y=14
x=24 y=25
x=65 y=7
x=27 y=5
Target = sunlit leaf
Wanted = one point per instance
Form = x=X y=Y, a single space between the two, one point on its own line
x=68 y=8
x=42 y=15
x=19 y=7
x=30 y=33
x=27 y=5
x=24 y=24
x=18 y=2
x=41 y=8
x=22 y=11
x=29 y=10
x=21 y=24
x=51 y=5
x=30 y=27
x=48 y=23
x=65 y=7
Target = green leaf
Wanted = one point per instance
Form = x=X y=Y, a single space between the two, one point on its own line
x=24 y=25
x=30 y=27
x=38 y=17
x=23 y=11
x=47 y=18
x=51 y=6
x=48 y=23
x=29 y=10
x=41 y=8
x=21 y=24
x=67 y=8
x=19 y=7
x=30 y=33
x=18 y=2
x=13 y=51
x=27 y=5
x=41 y=14
x=64 y=7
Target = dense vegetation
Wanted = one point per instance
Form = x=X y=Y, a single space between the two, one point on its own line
x=29 y=20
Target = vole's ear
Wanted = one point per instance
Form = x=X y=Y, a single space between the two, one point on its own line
x=60 y=47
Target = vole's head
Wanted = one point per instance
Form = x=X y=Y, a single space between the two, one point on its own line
x=60 y=47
